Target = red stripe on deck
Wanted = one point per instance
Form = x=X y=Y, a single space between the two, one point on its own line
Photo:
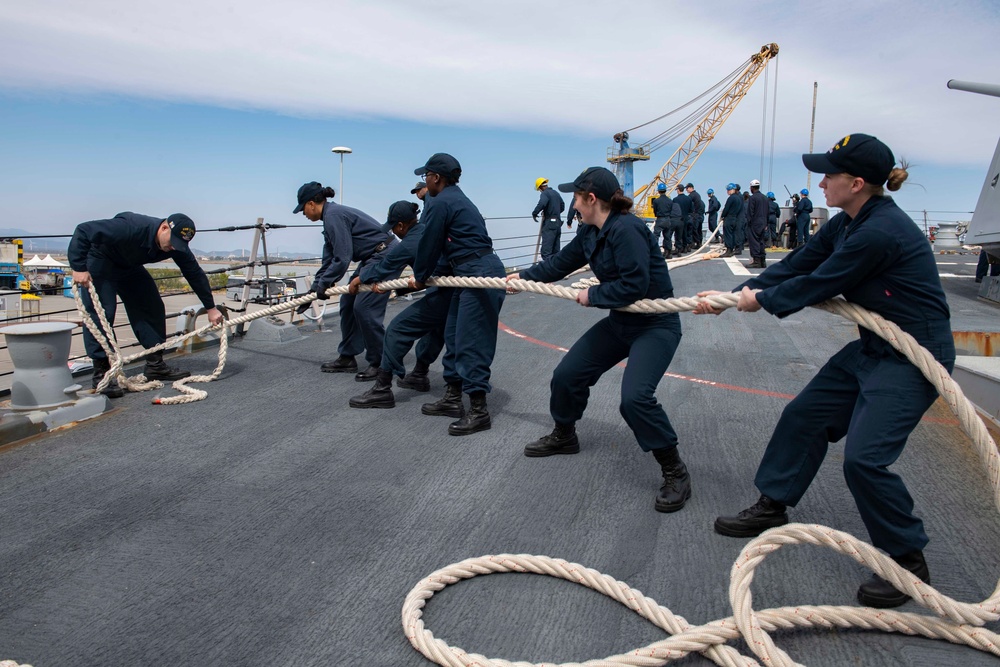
x=711 y=383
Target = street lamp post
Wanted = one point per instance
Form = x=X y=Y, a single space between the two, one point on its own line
x=341 y=150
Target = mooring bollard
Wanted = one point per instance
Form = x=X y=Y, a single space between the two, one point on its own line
x=40 y=352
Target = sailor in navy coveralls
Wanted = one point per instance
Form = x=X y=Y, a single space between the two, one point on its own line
x=422 y=320
x=111 y=253
x=624 y=257
x=455 y=232
x=349 y=235
x=874 y=255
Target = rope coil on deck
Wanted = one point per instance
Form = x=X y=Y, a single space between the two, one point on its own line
x=956 y=622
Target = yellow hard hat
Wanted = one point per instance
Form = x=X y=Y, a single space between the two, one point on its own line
x=539 y=182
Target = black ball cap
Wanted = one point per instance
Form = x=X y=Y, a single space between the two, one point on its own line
x=598 y=180
x=181 y=231
x=401 y=211
x=308 y=193
x=860 y=155
x=440 y=163
x=418 y=187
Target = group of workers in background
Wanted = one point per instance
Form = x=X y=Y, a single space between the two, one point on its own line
x=866 y=392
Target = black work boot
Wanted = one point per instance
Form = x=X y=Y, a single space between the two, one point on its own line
x=415 y=379
x=562 y=440
x=763 y=262
x=101 y=367
x=368 y=374
x=157 y=369
x=729 y=253
x=345 y=363
x=450 y=404
x=754 y=520
x=676 y=487
x=379 y=396
x=879 y=593
x=475 y=420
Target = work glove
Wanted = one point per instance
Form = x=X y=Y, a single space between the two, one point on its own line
x=320 y=292
x=319 y=297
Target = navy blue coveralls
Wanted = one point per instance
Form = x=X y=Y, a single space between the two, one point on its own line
x=114 y=252
x=352 y=235
x=662 y=206
x=550 y=205
x=867 y=391
x=684 y=202
x=713 y=212
x=455 y=231
x=697 y=217
x=757 y=210
x=730 y=219
x=773 y=213
x=624 y=257
x=741 y=224
x=803 y=211
x=422 y=320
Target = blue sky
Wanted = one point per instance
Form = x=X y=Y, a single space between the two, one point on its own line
x=140 y=106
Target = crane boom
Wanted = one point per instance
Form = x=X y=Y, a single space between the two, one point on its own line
x=684 y=158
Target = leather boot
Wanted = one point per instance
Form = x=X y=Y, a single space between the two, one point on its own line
x=879 y=593
x=754 y=520
x=762 y=261
x=343 y=364
x=475 y=420
x=379 y=396
x=562 y=440
x=157 y=369
x=101 y=367
x=368 y=374
x=676 y=487
x=415 y=379
x=450 y=404
x=729 y=253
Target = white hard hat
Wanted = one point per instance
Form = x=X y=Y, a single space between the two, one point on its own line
x=755 y=183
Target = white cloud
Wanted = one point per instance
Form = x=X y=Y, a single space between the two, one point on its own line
x=551 y=67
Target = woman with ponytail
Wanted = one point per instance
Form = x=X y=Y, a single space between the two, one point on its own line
x=349 y=235
x=624 y=257
x=874 y=255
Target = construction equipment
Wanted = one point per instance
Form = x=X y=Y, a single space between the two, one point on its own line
x=715 y=106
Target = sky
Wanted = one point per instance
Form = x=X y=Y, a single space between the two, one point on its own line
x=221 y=110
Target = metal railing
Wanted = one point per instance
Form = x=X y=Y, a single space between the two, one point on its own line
x=508 y=248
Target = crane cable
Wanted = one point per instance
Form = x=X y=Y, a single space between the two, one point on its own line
x=774 y=115
x=685 y=122
x=763 y=121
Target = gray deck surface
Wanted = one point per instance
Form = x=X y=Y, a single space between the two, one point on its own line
x=272 y=525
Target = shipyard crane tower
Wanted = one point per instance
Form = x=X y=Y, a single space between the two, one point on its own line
x=713 y=108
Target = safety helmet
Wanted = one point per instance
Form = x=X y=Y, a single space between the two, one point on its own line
x=755 y=183
x=731 y=186
x=711 y=191
x=662 y=187
x=804 y=191
x=770 y=195
x=539 y=182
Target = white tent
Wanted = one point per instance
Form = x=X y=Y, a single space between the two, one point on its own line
x=48 y=261
x=35 y=261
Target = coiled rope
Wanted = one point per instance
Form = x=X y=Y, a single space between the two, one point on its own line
x=956 y=622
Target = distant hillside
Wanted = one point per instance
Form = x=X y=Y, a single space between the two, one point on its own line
x=55 y=246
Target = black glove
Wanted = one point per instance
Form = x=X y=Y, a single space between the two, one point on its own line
x=320 y=292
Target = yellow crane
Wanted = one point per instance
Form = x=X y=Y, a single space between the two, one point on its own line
x=712 y=112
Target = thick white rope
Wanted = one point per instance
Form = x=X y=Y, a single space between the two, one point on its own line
x=957 y=622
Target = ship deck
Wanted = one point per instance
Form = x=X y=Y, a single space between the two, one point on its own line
x=272 y=525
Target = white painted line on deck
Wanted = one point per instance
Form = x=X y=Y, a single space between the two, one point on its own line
x=954 y=275
x=737 y=267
